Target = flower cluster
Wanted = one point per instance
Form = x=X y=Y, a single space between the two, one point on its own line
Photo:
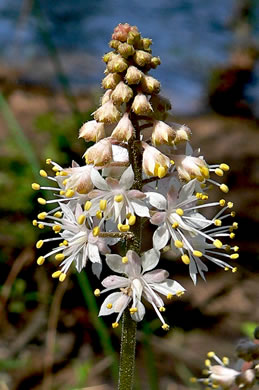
x=136 y=171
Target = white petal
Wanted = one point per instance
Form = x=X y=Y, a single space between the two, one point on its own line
x=115 y=264
x=119 y=154
x=169 y=286
x=150 y=259
x=112 y=298
x=115 y=281
x=127 y=178
x=160 y=237
x=93 y=253
x=140 y=209
x=137 y=288
x=187 y=190
x=138 y=316
x=133 y=267
x=156 y=200
x=97 y=269
x=156 y=276
x=98 y=180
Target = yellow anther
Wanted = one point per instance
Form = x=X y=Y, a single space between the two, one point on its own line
x=172 y=162
x=40 y=226
x=193 y=380
x=205 y=172
x=59 y=257
x=48 y=161
x=88 y=205
x=132 y=220
x=96 y=231
x=235 y=225
x=224 y=167
x=55 y=169
x=56 y=228
x=133 y=310
x=179 y=212
x=124 y=260
x=224 y=188
x=34 y=222
x=97 y=292
x=62 y=277
x=234 y=269
x=35 y=186
x=169 y=296
x=123 y=228
x=178 y=244
x=162 y=309
x=99 y=214
x=210 y=354
x=217 y=222
x=115 y=325
x=217 y=243
x=204 y=197
x=197 y=253
x=179 y=293
x=56 y=274
x=225 y=360
x=232 y=235
x=233 y=214
x=161 y=172
x=219 y=172
x=69 y=193
x=109 y=305
x=42 y=215
x=43 y=173
x=214 y=386
x=61 y=244
x=207 y=363
x=234 y=256
x=175 y=225
x=205 y=372
x=222 y=202
x=64 y=182
x=103 y=204
x=185 y=259
x=236 y=248
x=65 y=242
x=165 y=327
x=198 y=195
x=62 y=192
x=40 y=260
x=230 y=205
x=39 y=244
x=226 y=269
x=81 y=219
x=58 y=214
x=118 y=198
x=42 y=201
x=63 y=173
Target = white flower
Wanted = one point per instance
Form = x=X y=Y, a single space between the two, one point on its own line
x=192 y=235
x=115 y=200
x=137 y=283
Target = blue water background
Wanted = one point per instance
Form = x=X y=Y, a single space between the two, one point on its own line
x=190 y=36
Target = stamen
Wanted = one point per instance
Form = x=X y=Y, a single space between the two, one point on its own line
x=88 y=205
x=180 y=212
x=109 y=305
x=219 y=172
x=224 y=188
x=224 y=167
x=40 y=260
x=43 y=173
x=97 y=292
x=62 y=277
x=59 y=257
x=118 y=198
x=35 y=186
x=165 y=327
x=185 y=259
x=132 y=220
x=197 y=253
x=103 y=204
x=178 y=244
x=124 y=260
x=39 y=244
x=123 y=228
x=115 y=325
x=42 y=201
x=96 y=231
x=81 y=219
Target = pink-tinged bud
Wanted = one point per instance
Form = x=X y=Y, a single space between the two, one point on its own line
x=92 y=131
x=124 y=129
x=142 y=58
x=150 y=85
x=121 y=94
x=106 y=96
x=141 y=105
x=117 y=64
x=160 y=103
x=109 y=56
x=162 y=134
x=189 y=168
x=111 y=80
x=107 y=113
x=155 y=61
x=183 y=133
x=79 y=179
x=133 y=75
x=114 y=44
x=122 y=30
x=154 y=162
x=99 y=154
x=126 y=50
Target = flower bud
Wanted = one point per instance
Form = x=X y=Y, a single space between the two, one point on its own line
x=99 y=154
x=133 y=37
x=150 y=85
x=126 y=50
x=109 y=56
x=122 y=31
x=111 y=80
x=133 y=75
x=114 y=44
x=107 y=113
x=79 y=179
x=162 y=134
x=183 y=133
x=160 y=103
x=146 y=43
x=117 y=64
x=124 y=129
x=141 y=105
x=154 y=162
x=106 y=97
x=121 y=94
x=142 y=58
x=92 y=131
x=189 y=167
x=155 y=61
x=223 y=376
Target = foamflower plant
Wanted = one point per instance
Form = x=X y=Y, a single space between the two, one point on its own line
x=116 y=192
